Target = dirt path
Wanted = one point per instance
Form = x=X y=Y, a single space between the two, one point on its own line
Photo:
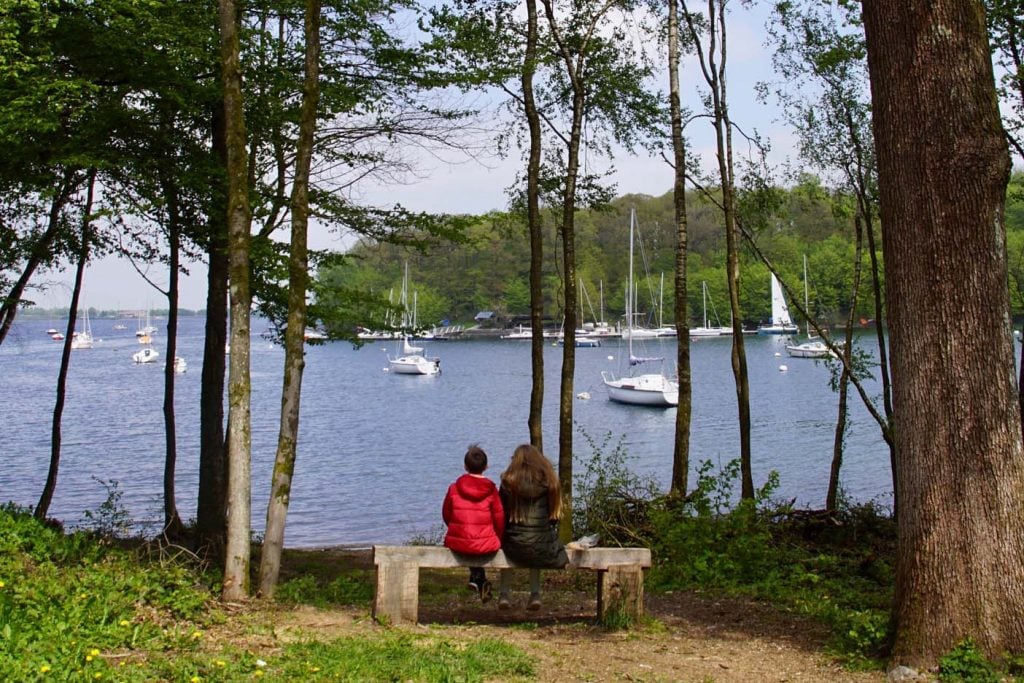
x=687 y=638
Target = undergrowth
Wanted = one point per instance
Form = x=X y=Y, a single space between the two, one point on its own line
x=833 y=566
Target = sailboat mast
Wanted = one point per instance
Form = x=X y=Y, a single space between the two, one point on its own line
x=629 y=297
x=807 y=305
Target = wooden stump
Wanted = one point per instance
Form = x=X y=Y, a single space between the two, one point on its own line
x=620 y=595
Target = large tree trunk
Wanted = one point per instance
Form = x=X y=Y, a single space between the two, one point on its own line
x=211 y=505
x=681 y=452
x=239 y=522
x=943 y=169
x=43 y=506
x=294 y=339
x=535 y=421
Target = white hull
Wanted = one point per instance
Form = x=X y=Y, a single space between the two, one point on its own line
x=809 y=349
x=642 y=390
x=180 y=366
x=146 y=355
x=415 y=365
x=778 y=329
x=81 y=340
x=709 y=332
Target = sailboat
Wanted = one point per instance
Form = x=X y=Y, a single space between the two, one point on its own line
x=813 y=347
x=145 y=332
x=704 y=330
x=83 y=340
x=409 y=360
x=781 y=322
x=647 y=389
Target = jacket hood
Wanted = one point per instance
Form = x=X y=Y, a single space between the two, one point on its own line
x=474 y=488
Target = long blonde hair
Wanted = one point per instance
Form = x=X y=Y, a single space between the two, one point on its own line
x=529 y=466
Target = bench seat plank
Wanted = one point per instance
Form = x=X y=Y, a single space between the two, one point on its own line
x=439 y=557
x=620 y=576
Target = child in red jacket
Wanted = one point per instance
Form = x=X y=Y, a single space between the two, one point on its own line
x=474 y=516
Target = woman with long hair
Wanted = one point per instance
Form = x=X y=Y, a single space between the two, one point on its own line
x=532 y=501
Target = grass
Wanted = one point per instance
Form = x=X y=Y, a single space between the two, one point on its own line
x=74 y=607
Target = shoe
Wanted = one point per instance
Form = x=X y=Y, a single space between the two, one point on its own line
x=474 y=586
x=503 y=603
x=534 y=603
x=485 y=591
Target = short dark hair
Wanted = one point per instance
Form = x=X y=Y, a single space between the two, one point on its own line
x=476 y=459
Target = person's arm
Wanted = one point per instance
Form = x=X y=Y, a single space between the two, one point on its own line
x=446 y=507
x=497 y=514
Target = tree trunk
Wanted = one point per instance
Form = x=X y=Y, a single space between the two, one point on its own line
x=681 y=452
x=43 y=506
x=943 y=169
x=236 y=564
x=535 y=420
x=294 y=338
x=172 y=521
x=211 y=506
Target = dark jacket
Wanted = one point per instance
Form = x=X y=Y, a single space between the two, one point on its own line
x=472 y=510
x=533 y=540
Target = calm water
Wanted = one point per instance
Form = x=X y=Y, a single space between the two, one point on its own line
x=376 y=450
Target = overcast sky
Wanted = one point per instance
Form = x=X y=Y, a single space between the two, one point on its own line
x=467 y=186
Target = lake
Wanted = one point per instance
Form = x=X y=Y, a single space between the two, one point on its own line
x=377 y=451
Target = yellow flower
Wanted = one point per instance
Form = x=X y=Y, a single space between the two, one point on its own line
x=125 y=622
x=97 y=675
x=196 y=635
x=195 y=679
x=88 y=658
x=257 y=673
x=220 y=662
x=2 y=584
x=94 y=652
x=45 y=668
x=314 y=669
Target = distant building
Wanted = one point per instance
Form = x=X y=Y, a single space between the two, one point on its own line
x=486 y=318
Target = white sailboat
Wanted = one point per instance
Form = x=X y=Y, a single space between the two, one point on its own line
x=704 y=330
x=813 y=347
x=647 y=389
x=83 y=339
x=781 y=323
x=409 y=359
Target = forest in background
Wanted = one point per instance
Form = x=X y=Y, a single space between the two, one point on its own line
x=489 y=270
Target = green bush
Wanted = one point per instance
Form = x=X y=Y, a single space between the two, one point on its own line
x=965 y=663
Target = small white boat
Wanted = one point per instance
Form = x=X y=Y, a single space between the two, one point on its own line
x=57 y=336
x=410 y=359
x=146 y=330
x=52 y=331
x=812 y=347
x=146 y=355
x=520 y=333
x=705 y=330
x=83 y=340
x=180 y=366
x=583 y=342
x=313 y=335
x=647 y=389
x=781 y=322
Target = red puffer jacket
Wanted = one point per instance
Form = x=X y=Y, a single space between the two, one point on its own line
x=472 y=510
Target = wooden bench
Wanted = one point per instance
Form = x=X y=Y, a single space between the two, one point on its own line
x=620 y=577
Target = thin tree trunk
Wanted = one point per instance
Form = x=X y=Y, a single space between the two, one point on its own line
x=43 y=506
x=832 y=497
x=239 y=522
x=681 y=452
x=294 y=339
x=211 y=506
x=943 y=168
x=533 y=222
x=10 y=304
x=172 y=521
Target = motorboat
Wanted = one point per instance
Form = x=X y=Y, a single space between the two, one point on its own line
x=180 y=366
x=146 y=355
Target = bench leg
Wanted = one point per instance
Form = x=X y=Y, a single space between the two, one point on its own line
x=397 y=597
x=620 y=595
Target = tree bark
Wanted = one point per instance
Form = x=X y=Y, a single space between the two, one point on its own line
x=681 y=452
x=239 y=443
x=46 y=497
x=535 y=420
x=172 y=521
x=294 y=338
x=943 y=168
x=211 y=506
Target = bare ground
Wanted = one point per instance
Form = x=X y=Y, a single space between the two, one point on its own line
x=687 y=637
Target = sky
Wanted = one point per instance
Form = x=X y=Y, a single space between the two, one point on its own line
x=454 y=185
